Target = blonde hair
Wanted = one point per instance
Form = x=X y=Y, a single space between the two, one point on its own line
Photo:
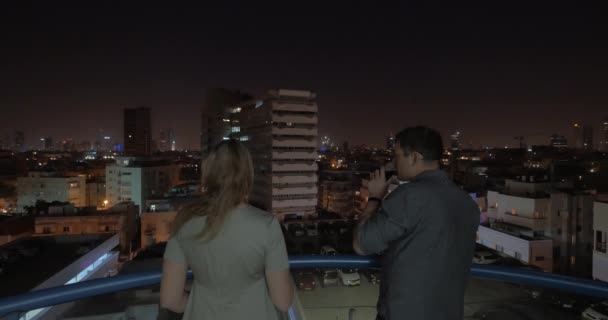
x=227 y=177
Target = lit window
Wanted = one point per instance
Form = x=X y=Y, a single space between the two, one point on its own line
x=244 y=138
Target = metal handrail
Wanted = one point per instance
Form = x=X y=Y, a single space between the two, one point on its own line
x=72 y=292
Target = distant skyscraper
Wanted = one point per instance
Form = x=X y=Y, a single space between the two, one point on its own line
x=577 y=137
x=163 y=140
x=167 y=140
x=558 y=141
x=588 y=137
x=19 y=141
x=604 y=135
x=137 y=131
x=46 y=143
x=217 y=116
x=5 y=141
x=455 y=141
x=107 y=143
x=390 y=142
x=99 y=141
x=68 y=144
x=172 y=141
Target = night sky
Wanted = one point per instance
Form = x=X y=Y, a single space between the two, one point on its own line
x=491 y=72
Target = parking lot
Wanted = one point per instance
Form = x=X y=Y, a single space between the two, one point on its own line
x=484 y=299
x=300 y=240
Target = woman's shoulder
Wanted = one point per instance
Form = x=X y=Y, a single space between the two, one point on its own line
x=257 y=215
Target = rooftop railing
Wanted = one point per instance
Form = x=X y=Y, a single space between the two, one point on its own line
x=12 y=307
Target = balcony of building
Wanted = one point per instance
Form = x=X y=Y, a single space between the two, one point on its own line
x=307 y=106
x=293 y=118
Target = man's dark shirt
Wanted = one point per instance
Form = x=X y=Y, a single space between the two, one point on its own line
x=425 y=231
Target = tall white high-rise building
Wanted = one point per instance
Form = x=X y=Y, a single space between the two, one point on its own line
x=280 y=131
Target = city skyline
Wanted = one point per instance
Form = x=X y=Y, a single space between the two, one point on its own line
x=491 y=73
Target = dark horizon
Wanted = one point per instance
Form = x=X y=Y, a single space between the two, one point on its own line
x=491 y=72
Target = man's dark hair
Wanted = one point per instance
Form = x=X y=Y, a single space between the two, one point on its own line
x=423 y=140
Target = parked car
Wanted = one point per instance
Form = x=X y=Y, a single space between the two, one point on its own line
x=329 y=277
x=308 y=248
x=373 y=276
x=311 y=230
x=323 y=227
x=305 y=280
x=296 y=230
x=342 y=227
x=328 y=251
x=485 y=257
x=597 y=311
x=349 y=277
x=9 y=256
x=563 y=300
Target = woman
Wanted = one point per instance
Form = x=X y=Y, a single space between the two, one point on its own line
x=236 y=252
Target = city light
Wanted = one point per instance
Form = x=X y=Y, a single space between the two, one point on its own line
x=90 y=152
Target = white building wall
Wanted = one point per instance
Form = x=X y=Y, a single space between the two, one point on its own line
x=295 y=119
x=48 y=188
x=137 y=184
x=124 y=184
x=279 y=155
x=301 y=190
x=521 y=249
x=526 y=212
x=279 y=166
x=563 y=217
x=600 y=237
x=521 y=187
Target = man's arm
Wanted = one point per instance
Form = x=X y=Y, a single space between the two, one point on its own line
x=370 y=209
x=377 y=187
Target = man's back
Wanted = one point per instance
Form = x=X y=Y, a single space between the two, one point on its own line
x=426 y=230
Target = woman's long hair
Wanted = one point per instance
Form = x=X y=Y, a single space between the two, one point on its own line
x=227 y=177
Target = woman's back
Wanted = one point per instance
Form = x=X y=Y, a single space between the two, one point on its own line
x=229 y=270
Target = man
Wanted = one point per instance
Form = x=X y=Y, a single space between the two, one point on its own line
x=425 y=231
